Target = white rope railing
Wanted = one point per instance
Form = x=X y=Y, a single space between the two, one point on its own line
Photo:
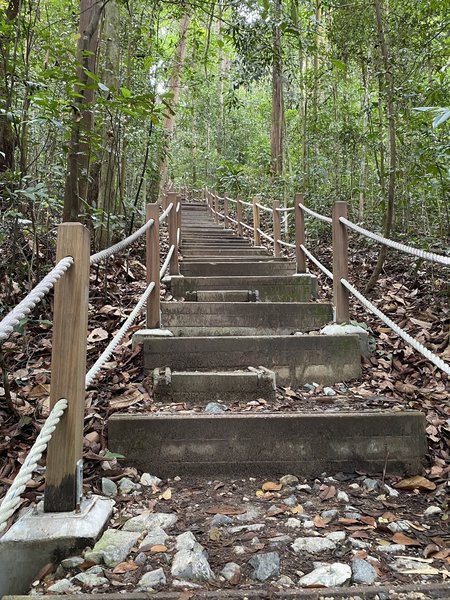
x=94 y=370
x=318 y=264
x=163 y=216
x=247 y=226
x=316 y=215
x=12 y=497
x=231 y=200
x=247 y=203
x=431 y=256
x=398 y=330
x=265 y=235
x=285 y=210
x=178 y=236
x=262 y=207
x=287 y=244
x=178 y=207
x=24 y=307
x=232 y=220
x=99 y=256
x=166 y=262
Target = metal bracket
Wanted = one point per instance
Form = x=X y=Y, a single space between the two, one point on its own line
x=79 y=483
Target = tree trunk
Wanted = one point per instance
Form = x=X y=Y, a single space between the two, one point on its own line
x=388 y=82
x=277 y=126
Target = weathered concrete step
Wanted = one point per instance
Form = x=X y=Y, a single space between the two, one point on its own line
x=213 y=386
x=243 y=318
x=271 y=289
x=224 y=251
x=208 y=242
x=258 y=444
x=296 y=359
x=211 y=256
x=214 y=269
x=223 y=296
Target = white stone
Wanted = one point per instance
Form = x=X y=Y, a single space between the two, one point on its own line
x=288 y=480
x=333 y=575
x=293 y=523
x=336 y=536
x=192 y=564
x=231 y=571
x=392 y=548
x=72 y=562
x=432 y=510
x=113 y=547
x=147 y=521
x=148 y=480
x=62 y=586
x=185 y=541
x=90 y=579
x=312 y=545
x=253 y=527
x=342 y=497
x=152 y=580
x=156 y=536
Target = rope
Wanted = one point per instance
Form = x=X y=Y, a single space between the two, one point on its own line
x=178 y=207
x=99 y=256
x=268 y=237
x=247 y=226
x=286 y=244
x=178 y=236
x=315 y=214
x=24 y=307
x=398 y=330
x=166 y=262
x=231 y=200
x=443 y=260
x=318 y=264
x=233 y=220
x=164 y=215
x=12 y=498
x=266 y=208
x=286 y=210
x=93 y=371
x=247 y=204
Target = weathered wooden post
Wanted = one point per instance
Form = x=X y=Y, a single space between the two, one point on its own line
x=152 y=261
x=225 y=211
x=256 y=223
x=239 y=215
x=68 y=371
x=276 y=217
x=216 y=208
x=299 y=234
x=340 y=263
x=173 y=226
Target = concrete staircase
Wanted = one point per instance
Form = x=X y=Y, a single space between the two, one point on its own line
x=248 y=321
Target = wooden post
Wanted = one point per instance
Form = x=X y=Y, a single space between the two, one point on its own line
x=239 y=216
x=173 y=225
x=256 y=224
x=276 y=215
x=68 y=371
x=179 y=223
x=299 y=234
x=225 y=212
x=152 y=260
x=216 y=208
x=340 y=263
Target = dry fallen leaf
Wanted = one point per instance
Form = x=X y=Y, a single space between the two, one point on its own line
x=297 y=510
x=225 y=509
x=97 y=335
x=214 y=534
x=158 y=548
x=401 y=538
x=319 y=522
x=418 y=482
x=271 y=486
x=327 y=492
x=124 y=567
x=166 y=495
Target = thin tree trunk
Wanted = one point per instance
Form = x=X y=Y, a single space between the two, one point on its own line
x=277 y=126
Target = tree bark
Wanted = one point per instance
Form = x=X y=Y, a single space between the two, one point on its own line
x=277 y=125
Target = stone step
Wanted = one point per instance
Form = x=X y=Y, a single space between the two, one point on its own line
x=296 y=359
x=214 y=386
x=212 y=257
x=214 y=269
x=297 y=288
x=223 y=296
x=227 y=243
x=267 y=444
x=199 y=251
x=243 y=318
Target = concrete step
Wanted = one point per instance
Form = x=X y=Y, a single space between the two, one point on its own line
x=223 y=296
x=215 y=386
x=296 y=359
x=199 y=251
x=214 y=269
x=211 y=256
x=260 y=444
x=243 y=318
x=299 y=288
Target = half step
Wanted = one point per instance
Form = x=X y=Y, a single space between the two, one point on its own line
x=265 y=444
x=213 y=386
x=223 y=296
x=212 y=269
x=243 y=318
x=296 y=359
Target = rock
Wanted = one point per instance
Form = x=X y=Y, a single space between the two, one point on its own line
x=185 y=541
x=60 y=572
x=391 y=491
x=151 y=581
x=191 y=560
x=293 y=523
x=240 y=549
x=329 y=515
x=141 y=559
x=113 y=547
x=392 y=548
x=157 y=536
x=342 y=497
x=406 y=564
x=90 y=580
x=329 y=391
x=219 y=520
x=214 y=408
x=431 y=511
x=253 y=527
x=285 y=581
x=399 y=526
x=148 y=480
x=63 y=586
x=333 y=575
x=309 y=524
x=336 y=536
x=280 y=540
x=253 y=513
x=232 y=573
x=265 y=565
x=291 y=501
x=95 y=570
x=358 y=544
x=72 y=562
x=288 y=480
x=353 y=515
x=312 y=545
x=185 y=585
x=304 y=487
x=363 y=572
x=148 y=521
x=126 y=486
x=109 y=488
x=371 y=485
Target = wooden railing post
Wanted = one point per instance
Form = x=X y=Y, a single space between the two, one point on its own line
x=152 y=261
x=173 y=226
x=276 y=215
x=299 y=234
x=225 y=211
x=340 y=263
x=68 y=370
x=239 y=216
x=256 y=223
x=216 y=208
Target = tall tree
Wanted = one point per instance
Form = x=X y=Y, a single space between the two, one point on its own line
x=277 y=133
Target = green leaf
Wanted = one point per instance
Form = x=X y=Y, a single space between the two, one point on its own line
x=110 y=455
x=125 y=92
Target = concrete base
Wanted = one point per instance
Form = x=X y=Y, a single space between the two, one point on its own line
x=38 y=538
x=145 y=334
x=268 y=444
x=221 y=269
x=223 y=296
